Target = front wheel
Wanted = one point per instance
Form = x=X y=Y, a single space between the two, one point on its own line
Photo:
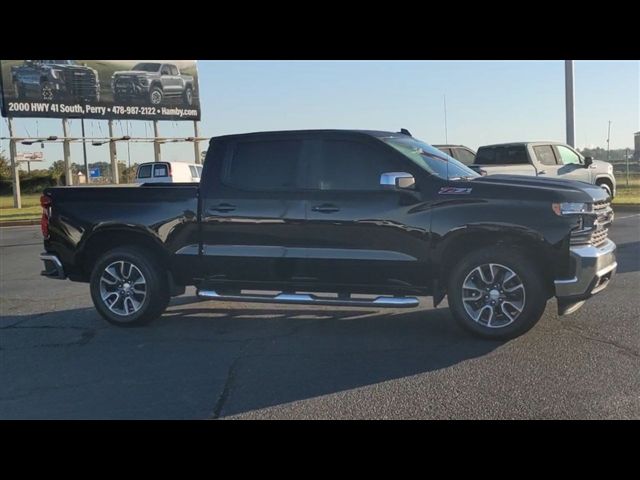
x=496 y=293
x=155 y=95
x=128 y=288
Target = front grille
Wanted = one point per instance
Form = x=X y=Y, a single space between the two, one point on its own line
x=597 y=233
x=81 y=84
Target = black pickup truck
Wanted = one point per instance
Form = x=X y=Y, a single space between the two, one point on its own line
x=336 y=217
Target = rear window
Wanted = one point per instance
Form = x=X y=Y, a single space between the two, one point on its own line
x=160 y=171
x=507 y=155
x=264 y=165
x=144 y=171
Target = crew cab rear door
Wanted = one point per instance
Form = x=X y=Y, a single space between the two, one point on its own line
x=252 y=212
x=357 y=232
x=507 y=159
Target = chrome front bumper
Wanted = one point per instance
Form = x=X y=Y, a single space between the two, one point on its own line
x=52 y=266
x=594 y=268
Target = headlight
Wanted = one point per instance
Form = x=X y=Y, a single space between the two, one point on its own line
x=571 y=208
x=56 y=74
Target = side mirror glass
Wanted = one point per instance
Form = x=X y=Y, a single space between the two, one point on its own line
x=588 y=161
x=398 y=180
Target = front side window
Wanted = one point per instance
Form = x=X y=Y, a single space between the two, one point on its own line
x=264 y=165
x=430 y=158
x=545 y=155
x=348 y=165
x=567 y=156
x=194 y=172
x=199 y=168
x=165 y=70
x=147 y=67
x=144 y=171
x=465 y=156
x=160 y=171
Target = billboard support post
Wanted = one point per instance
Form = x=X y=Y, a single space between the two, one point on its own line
x=113 y=155
x=15 y=175
x=569 y=102
x=84 y=152
x=68 y=176
x=196 y=143
x=156 y=142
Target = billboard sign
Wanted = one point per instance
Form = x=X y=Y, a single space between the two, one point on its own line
x=29 y=157
x=100 y=89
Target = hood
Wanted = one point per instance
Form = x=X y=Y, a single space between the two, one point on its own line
x=526 y=187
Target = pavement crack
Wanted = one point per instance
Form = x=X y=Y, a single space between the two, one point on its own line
x=622 y=348
x=224 y=395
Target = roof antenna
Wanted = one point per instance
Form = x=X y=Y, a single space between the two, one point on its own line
x=404 y=131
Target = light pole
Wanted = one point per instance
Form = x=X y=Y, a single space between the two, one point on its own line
x=569 y=102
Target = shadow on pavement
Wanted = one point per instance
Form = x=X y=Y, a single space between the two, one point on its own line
x=225 y=359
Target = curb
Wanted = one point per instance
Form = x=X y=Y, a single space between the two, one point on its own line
x=19 y=223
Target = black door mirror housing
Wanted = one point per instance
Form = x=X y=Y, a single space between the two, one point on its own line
x=588 y=161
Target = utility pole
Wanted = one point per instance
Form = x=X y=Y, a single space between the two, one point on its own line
x=196 y=144
x=68 y=176
x=15 y=175
x=608 y=138
x=446 y=137
x=569 y=102
x=112 y=154
x=156 y=142
x=84 y=151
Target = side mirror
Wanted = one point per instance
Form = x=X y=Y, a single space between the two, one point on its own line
x=588 y=161
x=400 y=180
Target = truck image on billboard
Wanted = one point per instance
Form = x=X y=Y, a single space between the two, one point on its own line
x=100 y=89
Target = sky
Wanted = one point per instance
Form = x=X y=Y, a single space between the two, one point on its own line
x=486 y=102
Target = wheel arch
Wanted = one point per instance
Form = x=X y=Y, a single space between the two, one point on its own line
x=102 y=240
x=606 y=180
x=468 y=239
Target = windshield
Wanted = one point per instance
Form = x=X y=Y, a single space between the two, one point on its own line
x=147 y=67
x=431 y=159
x=58 y=62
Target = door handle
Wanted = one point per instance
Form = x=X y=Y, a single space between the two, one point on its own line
x=542 y=172
x=222 y=207
x=325 y=208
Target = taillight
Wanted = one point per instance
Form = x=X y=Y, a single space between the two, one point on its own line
x=45 y=203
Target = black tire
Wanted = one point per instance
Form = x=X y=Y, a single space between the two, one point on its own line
x=187 y=97
x=156 y=288
x=532 y=293
x=155 y=95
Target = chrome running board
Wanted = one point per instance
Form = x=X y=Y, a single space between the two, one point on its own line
x=309 y=299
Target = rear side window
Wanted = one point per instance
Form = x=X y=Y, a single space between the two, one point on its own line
x=544 y=154
x=264 y=165
x=199 y=168
x=173 y=69
x=160 y=171
x=445 y=150
x=144 y=171
x=349 y=165
x=194 y=171
x=509 y=155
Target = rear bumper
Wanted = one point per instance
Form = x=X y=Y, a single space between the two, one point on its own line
x=52 y=266
x=594 y=269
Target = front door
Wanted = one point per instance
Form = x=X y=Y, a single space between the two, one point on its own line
x=356 y=232
x=571 y=166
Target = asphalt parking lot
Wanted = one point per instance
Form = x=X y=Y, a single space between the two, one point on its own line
x=206 y=360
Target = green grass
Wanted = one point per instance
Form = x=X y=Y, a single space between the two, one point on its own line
x=30 y=208
x=627 y=194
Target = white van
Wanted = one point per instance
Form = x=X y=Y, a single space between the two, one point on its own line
x=168 y=172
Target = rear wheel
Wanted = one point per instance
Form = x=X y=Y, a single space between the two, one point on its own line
x=128 y=288
x=496 y=293
x=47 y=91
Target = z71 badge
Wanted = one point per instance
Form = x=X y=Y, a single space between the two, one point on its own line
x=454 y=191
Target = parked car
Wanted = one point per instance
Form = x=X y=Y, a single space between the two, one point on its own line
x=168 y=172
x=153 y=83
x=544 y=159
x=59 y=80
x=339 y=213
x=459 y=152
